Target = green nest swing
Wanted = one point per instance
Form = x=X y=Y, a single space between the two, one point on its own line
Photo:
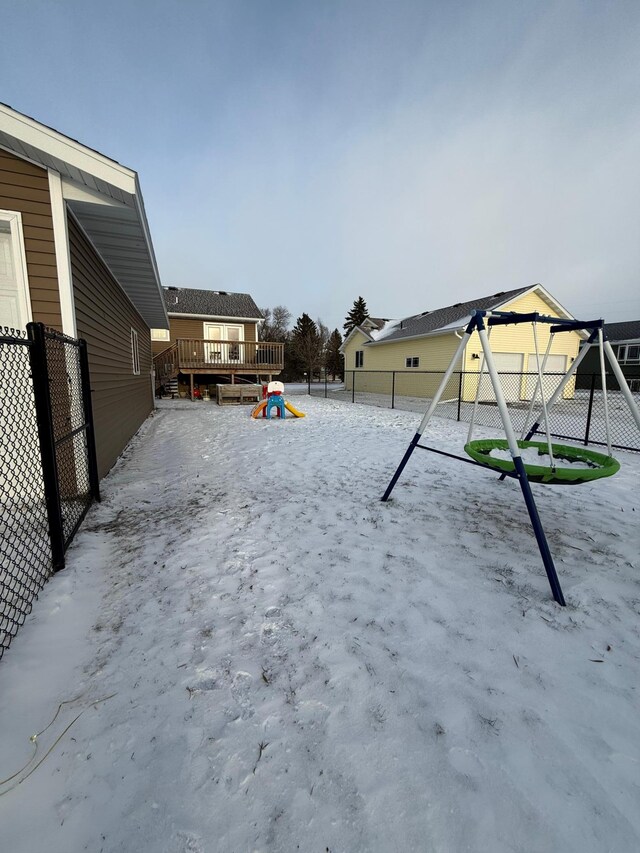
x=599 y=464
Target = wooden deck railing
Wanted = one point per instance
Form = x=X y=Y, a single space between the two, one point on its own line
x=197 y=354
x=166 y=363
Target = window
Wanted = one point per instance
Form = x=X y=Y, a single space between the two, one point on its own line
x=413 y=361
x=359 y=358
x=629 y=354
x=228 y=342
x=15 y=305
x=135 y=353
x=160 y=334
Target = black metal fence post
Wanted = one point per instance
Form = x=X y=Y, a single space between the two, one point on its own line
x=459 y=394
x=353 y=386
x=85 y=378
x=44 y=416
x=325 y=383
x=590 y=409
x=393 y=389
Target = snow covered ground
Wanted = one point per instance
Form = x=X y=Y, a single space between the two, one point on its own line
x=265 y=657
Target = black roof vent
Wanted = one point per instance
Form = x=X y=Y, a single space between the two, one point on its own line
x=500 y=293
x=173 y=288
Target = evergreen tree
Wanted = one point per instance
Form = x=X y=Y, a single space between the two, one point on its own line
x=334 y=361
x=356 y=316
x=306 y=344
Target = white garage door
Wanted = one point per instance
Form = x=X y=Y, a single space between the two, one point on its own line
x=556 y=364
x=508 y=364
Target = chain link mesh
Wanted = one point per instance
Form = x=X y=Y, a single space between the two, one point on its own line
x=25 y=544
x=25 y=555
x=578 y=416
x=72 y=457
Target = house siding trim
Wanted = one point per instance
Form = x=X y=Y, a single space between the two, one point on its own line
x=14 y=218
x=63 y=260
x=24 y=189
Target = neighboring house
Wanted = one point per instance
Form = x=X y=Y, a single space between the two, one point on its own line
x=212 y=338
x=428 y=341
x=625 y=342
x=76 y=255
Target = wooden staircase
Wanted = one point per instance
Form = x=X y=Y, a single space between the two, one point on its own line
x=167 y=368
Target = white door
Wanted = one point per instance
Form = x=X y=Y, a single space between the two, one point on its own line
x=228 y=344
x=555 y=364
x=509 y=367
x=14 y=297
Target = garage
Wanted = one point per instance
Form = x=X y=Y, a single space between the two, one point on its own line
x=509 y=365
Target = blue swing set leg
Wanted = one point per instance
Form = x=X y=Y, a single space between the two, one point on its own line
x=541 y=539
x=400 y=468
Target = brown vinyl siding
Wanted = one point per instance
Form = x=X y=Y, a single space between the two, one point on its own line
x=184 y=327
x=105 y=317
x=24 y=188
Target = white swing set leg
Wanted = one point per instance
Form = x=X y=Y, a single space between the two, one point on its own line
x=457 y=358
x=622 y=382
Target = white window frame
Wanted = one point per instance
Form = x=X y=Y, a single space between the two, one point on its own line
x=360 y=358
x=228 y=351
x=14 y=218
x=412 y=361
x=160 y=335
x=135 y=353
x=623 y=351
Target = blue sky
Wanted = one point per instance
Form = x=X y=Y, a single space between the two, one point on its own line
x=414 y=153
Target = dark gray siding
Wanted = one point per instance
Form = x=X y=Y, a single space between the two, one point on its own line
x=105 y=317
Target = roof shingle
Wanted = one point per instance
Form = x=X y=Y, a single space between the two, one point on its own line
x=627 y=331
x=431 y=321
x=210 y=303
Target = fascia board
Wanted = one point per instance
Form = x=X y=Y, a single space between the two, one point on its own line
x=214 y=317
x=56 y=144
x=553 y=302
x=351 y=334
x=139 y=203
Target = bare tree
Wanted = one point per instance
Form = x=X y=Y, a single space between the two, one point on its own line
x=276 y=324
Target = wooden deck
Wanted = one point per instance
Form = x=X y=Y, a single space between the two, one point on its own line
x=219 y=358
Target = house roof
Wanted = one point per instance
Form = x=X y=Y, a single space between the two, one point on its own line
x=210 y=303
x=105 y=198
x=452 y=316
x=627 y=331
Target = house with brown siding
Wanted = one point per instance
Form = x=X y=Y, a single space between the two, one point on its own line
x=212 y=339
x=76 y=254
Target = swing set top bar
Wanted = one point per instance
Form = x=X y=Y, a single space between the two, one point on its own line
x=505 y=318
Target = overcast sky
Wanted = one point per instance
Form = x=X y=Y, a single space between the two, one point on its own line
x=414 y=153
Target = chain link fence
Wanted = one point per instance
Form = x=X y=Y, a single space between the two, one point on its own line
x=578 y=416
x=48 y=472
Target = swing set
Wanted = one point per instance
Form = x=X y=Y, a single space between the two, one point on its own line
x=559 y=465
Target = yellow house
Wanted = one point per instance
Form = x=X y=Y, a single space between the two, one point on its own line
x=413 y=352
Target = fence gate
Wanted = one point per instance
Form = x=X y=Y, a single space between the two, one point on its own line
x=48 y=470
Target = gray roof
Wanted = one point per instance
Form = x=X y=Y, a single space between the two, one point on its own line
x=431 y=321
x=628 y=331
x=210 y=303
